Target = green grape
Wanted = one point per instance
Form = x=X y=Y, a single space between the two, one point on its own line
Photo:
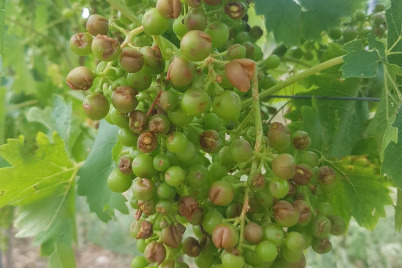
x=204 y=260
x=283 y=166
x=179 y=27
x=266 y=251
x=196 y=45
x=181 y=72
x=165 y=191
x=118 y=182
x=212 y=121
x=175 y=176
x=278 y=188
x=179 y=117
x=176 y=142
x=272 y=61
x=308 y=157
x=80 y=44
x=217 y=171
x=141 y=244
x=232 y=261
x=139 y=80
x=290 y=255
x=96 y=106
x=264 y=198
x=127 y=138
x=210 y=220
x=360 y=15
x=154 y=23
x=161 y=162
x=294 y=241
x=119 y=119
x=379 y=8
x=189 y=154
x=139 y=262
x=142 y=166
x=168 y=100
x=195 y=19
x=241 y=150
x=194 y=102
x=252 y=258
x=219 y=33
x=227 y=105
x=335 y=34
x=349 y=34
x=124 y=99
x=198 y=175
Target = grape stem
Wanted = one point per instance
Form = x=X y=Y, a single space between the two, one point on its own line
x=257 y=148
x=131 y=34
x=300 y=76
x=125 y=11
x=154 y=103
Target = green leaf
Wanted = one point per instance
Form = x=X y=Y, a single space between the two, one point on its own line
x=392 y=157
x=394 y=26
x=62 y=257
x=94 y=174
x=359 y=62
x=42 y=182
x=359 y=191
x=291 y=21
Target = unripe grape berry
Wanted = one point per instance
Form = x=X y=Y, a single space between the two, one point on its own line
x=124 y=99
x=236 y=51
x=274 y=234
x=80 y=78
x=191 y=247
x=233 y=210
x=195 y=101
x=304 y=211
x=225 y=236
x=379 y=8
x=303 y=174
x=321 y=245
x=105 y=48
x=143 y=189
x=266 y=251
x=131 y=60
x=256 y=33
x=164 y=190
x=308 y=157
x=139 y=261
x=181 y=72
x=283 y=166
x=138 y=121
x=232 y=261
x=142 y=166
x=294 y=241
x=96 y=106
x=155 y=252
x=170 y=9
x=235 y=9
x=198 y=175
x=253 y=233
x=349 y=34
x=301 y=140
x=291 y=256
x=217 y=171
x=175 y=176
x=379 y=18
x=147 y=142
x=195 y=19
x=168 y=100
x=360 y=15
x=210 y=141
x=321 y=227
x=272 y=61
x=97 y=24
x=241 y=150
x=196 y=45
x=140 y=80
x=176 y=142
x=159 y=123
x=118 y=182
x=219 y=33
x=227 y=105
x=154 y=23
x=221 y=193
x=127 y=138
x=335 y=34
x=278 y=137
x=179 y=27
x=80 y=44
x=240 y=72
x=179 y=117
x=285 y=214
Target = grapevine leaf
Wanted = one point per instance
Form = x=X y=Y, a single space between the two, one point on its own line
x=290 y=20
x=360 y=192
x=94 y=174
x=392 y=156
x=394 y=25
x=359 y=62
x=62 y=257
x=41 y=181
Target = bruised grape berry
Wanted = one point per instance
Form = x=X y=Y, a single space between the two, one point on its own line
x=172 y=235
x=80 y=78
x=195 y=19
x=321 y=227
x=170 y=9
x=190 y=209
x=285 y=214
x=301 y=140
x=125 y=165
x=181 y=72
x=154 y=23
x=235 y=9
x=338 y=225
x=303 y=174
x=210 y=141
x=241 y=150
x=153 y=61
x=278 y=137
x=143 y=189
x=193 y=3
x=221 y=193
x=147 y=142
x=96 y=106
x=124 y=99
x=283 y=166
x=168 y=100
x=196 y=45
x=321 y=245
x=219 y=33
x=225 y=236
x=195 y=101
x=80 y=44
x=191 y=247
x=141 y=229
x=97 y=24
x=253 y=233
x=138 y=121
x=105 y=48
x=198 y=175
x=304 y=211
x=155 y=252
x=326 y=175
x=140 y=80
x=240 y=72
x=131 y=60
x=159 y=123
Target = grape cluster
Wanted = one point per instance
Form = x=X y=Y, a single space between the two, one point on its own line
x=199 y=189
